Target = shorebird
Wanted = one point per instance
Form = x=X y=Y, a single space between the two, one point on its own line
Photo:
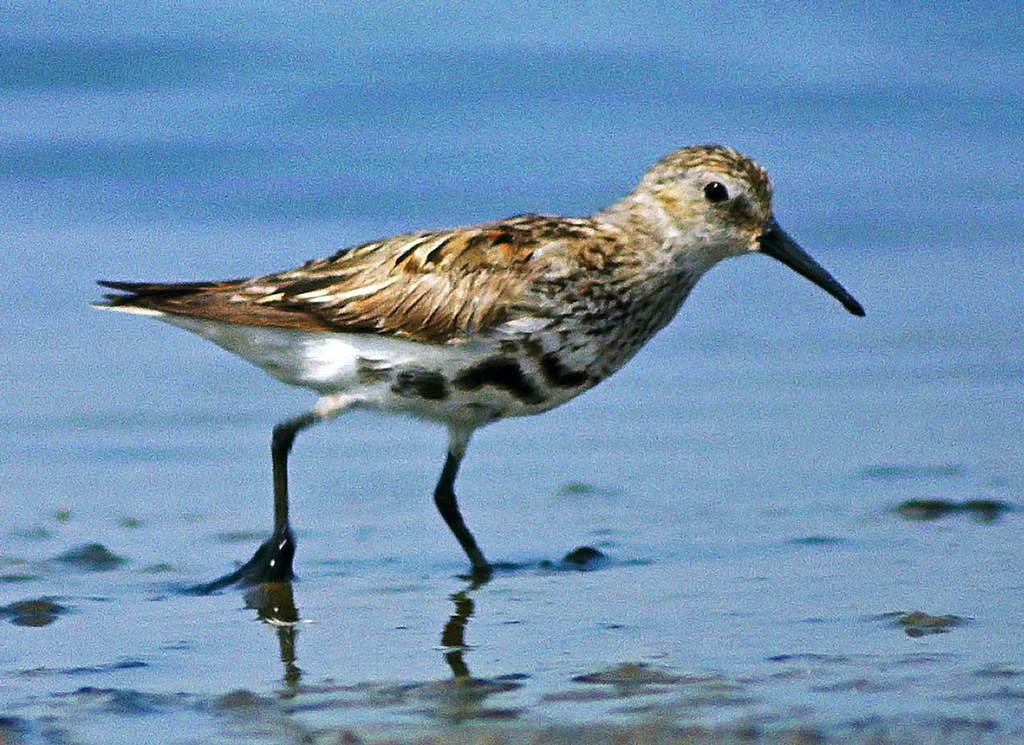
x=471 y=325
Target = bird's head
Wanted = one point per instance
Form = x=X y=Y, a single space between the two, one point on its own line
x=714 y=203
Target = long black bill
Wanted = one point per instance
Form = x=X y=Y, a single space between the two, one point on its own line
x=778 y=245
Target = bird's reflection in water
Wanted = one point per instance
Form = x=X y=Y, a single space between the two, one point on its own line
x=453 y=636
x=459 y=698
x=463 y=698
x=274 y=603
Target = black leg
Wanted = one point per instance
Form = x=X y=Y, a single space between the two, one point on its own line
x=272 y=561
x=444 y=498
x=280 y=447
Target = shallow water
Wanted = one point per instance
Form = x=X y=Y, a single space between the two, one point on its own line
x=743 y=476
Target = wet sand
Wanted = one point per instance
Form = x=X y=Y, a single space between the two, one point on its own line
x=588 y=648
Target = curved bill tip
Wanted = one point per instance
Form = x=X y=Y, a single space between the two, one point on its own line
x=775 y=243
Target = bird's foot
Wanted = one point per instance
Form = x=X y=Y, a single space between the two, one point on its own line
x=272 y=562
x=479 y=574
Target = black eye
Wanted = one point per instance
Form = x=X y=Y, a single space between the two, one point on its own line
x=716 y=192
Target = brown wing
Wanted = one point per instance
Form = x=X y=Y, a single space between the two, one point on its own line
x=428 y=286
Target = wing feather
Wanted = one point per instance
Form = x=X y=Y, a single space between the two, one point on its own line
x=427 y=286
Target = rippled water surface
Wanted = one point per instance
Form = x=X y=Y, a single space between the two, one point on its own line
x=810 y=523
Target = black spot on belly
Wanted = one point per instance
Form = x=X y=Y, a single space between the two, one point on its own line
x=502 y=373
x=560 y=376
x=418 y=382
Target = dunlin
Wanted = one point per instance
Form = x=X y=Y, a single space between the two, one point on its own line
x=475 y=324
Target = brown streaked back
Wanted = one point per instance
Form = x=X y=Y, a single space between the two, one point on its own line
x=426 y=286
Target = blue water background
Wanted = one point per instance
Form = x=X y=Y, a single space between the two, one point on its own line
x=199 y=142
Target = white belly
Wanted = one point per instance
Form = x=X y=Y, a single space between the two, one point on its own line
x=425 y=380
x=321 y=361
